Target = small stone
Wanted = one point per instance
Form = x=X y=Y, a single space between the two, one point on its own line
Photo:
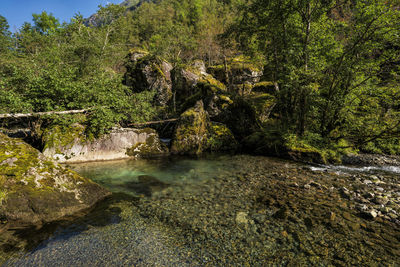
x=282 y=213
x=367 y=182
x=381 y=200
x=241 y=218
x=309 y=223
x=307 y=186
x=370 y=214
x=284 y=234
x=380 y=189
x=332 y=216
x=315 y=184
x=347 y=216
x=369 y=195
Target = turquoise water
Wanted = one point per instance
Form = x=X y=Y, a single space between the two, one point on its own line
x=219 y=211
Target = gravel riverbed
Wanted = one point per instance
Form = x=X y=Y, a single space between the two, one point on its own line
x=242 y=211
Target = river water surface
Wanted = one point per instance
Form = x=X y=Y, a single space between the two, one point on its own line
x=224 y=211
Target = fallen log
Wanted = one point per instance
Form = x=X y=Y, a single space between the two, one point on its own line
x=151 y=122
x=35 y=114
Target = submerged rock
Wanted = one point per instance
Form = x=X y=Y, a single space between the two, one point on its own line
x=71 y=145
x=35 y=190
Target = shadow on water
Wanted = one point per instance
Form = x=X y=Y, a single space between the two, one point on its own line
x=15 y=241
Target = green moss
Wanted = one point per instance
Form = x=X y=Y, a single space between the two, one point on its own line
x=59 y=137
x=151 y=147
x=211 y=83
x=137 y=50
x=220 y=138
x=27 y=166
x=190 y=135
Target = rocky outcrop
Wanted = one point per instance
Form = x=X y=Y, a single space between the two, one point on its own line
x=262 y=104
x=146 y=72
x=192 y=83
x=191 y=132
x=36 y=190
x=151 y=147
x=220 y=138
x=240 y=74
x=195 y=133
x=71 y=145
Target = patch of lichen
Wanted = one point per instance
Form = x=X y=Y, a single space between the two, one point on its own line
x=63 y=137
x=220 y=138
x=21 y=155
x=22 y=167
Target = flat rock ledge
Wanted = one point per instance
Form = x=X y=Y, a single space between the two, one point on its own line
x=73 y=147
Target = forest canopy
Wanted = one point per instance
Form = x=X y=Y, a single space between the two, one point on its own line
x=334 y=64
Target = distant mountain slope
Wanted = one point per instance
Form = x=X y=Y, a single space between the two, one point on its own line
x=130 y=5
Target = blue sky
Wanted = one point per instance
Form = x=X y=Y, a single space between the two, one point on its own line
x=18 y=11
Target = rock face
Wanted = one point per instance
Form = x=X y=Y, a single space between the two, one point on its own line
x=35 y=190
x=195 y=133
x=146 y=72
x=191 y=133
x=192 y=83
x=240 y=74
x=151 y=147
x=71 y=145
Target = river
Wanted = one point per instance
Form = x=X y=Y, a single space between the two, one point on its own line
x=224 y=211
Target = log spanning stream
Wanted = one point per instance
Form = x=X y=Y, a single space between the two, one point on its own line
x=223 y=211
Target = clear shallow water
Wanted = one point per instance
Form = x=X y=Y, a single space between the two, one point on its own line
x=128 y=176
x=217 y=211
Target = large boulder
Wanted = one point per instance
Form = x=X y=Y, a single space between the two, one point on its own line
x=145 y=72
x=239 y=73
x=195 y=133
x=35 y=190
x=151 y=147
x=262 y=104
x=190 y=136
x=70 y=144
x=192 y=83
x=220 y=138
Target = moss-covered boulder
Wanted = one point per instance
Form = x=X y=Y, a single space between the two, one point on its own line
x=191 y=83
x=240 y=73
x=264 y=87
x=262 y=104
x=240 y=117
x=151 y=147
x=195 y=133
x=220 y=138
x=36 y=190
x=190 y=135
x=69 y=144
x=145 y=72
